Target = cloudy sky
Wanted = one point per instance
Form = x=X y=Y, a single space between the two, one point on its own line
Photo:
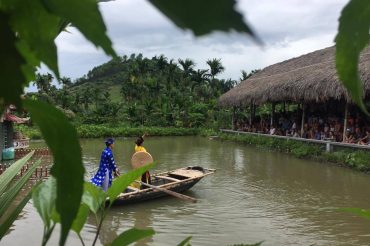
x=288 y=28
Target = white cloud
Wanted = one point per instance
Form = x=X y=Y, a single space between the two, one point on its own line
x=288 y=28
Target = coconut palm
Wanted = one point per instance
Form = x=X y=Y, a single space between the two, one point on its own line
x=187 y=65
x=215 y=67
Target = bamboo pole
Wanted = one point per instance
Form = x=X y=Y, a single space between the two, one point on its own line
x=303 y=116
x=233 y=119
x=254 y=112
x=345 y=120
x=284 y=107
x=272 y=114
x=170 y=192
x=251 y=114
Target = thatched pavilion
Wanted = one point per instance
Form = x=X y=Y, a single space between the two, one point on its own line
x=307 y=79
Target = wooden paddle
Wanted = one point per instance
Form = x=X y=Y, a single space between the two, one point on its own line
x=170 y=192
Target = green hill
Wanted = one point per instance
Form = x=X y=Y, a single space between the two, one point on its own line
x=140 y=91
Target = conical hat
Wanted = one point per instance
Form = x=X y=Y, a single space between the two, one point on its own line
x=140 y=159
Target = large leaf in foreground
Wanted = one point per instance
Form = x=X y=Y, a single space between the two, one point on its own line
x=121 y=183
x=43 y=197
x=352 y=38
x=185 y=242
x=90 y=23
x=12 y=171
x=131 y=236
x=8 y=197
x=61 y=137
x=11 y=62
x=81 y=218
x=35 y=25
x=4 y=227
x=358 y=211
x=93 y=197
x=203 y=17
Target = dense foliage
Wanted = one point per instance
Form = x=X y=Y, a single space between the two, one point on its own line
x=136 y=91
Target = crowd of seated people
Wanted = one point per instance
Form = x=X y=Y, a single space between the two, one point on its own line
x=316 y=127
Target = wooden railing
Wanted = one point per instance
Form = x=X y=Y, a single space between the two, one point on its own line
x=328 y=144
x=19 y=153
x=41 y=172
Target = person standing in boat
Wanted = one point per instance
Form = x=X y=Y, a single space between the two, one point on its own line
x=139 y=147
x=103 y=178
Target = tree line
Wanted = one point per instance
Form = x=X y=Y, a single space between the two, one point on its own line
x=135 y=90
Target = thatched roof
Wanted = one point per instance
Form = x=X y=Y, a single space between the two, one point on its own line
x=308 y=78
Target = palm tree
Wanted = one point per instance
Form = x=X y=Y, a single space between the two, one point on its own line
x=187 y=66
x=96 y=96
x=244 y=75
x=66 y=82
x=86 y=98
x=43 y=82
x=216 y=67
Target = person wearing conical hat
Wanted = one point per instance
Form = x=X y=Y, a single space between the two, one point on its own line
x=145 y=178
x=103 y=178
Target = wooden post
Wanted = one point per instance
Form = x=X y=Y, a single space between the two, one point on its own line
x=303 y=116
x=284 y=110
x=233 y=119
x=272 y=114
x=345 y=120
x=254 y=112
x=251 y=114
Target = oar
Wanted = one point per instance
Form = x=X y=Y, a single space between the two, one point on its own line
x=170 y=192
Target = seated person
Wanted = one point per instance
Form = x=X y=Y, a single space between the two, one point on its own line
x=365 y=140
x=272 y=130
x=358 y=134
x=348 y=138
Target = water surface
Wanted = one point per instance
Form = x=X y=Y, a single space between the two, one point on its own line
x=255 y=195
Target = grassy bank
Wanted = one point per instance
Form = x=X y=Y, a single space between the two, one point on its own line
x=97 y=131
x=359 y=160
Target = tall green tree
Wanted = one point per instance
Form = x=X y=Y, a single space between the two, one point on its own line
x=216 y=67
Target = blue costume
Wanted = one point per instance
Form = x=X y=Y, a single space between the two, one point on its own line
x=107 y=165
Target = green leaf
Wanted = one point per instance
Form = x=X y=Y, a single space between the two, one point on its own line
x=44 y=196
x=35 y=25
x=61 y=137
x=185 y=242
x=121 y=183
x=352 y=38
x=93 y=197
x=203 y=17
x=81 y=218
x=131 y=236
x=4 y=226
x=12 y=171
x=8 y=197
x=358 y=211
x=11 y=62
x=90 y=23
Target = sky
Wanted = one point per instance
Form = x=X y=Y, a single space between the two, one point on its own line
x=288 y=28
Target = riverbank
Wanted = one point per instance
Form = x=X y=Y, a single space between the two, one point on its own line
x=358 y=160
x=98 y=131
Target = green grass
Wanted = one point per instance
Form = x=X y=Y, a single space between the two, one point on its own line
x=97 y=131
x=356 y=159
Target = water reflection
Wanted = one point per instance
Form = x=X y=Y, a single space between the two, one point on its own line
x=254 y=195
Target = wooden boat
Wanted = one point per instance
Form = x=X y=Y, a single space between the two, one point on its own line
x=178 y=180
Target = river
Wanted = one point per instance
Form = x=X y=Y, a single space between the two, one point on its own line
x=255 y=195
